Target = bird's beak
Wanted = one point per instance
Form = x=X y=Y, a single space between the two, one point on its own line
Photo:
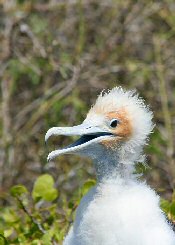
x=88 y=134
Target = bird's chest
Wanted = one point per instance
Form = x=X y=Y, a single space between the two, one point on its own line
x=115 y=214
x=102 y=215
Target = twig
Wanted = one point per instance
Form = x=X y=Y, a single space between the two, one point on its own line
x=70 y=218
x=165 y=109
x=20 y=117
x=40 y=227
x=36 y=44
x=70 y=84
x=34 y=221
x=7 y=135
x=164 y=98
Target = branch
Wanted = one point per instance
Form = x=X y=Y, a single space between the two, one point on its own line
x=165 y=109
x=20 y=117
x=44 y=107
x=34 y=221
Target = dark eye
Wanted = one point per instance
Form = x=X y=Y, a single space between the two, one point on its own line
x=114 y=123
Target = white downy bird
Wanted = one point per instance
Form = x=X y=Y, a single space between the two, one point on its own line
x=120 y=209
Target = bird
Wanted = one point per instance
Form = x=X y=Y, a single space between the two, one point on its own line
x=121 y=209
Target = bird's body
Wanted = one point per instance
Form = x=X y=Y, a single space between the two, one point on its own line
x=120 y=209
x=118 y=213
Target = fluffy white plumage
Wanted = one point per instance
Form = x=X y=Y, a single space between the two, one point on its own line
x=140 y=117
x=120 y=209
x=118 y=213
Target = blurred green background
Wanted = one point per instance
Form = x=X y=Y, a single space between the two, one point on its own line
x=55 y=58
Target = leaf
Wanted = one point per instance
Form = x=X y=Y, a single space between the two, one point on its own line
x=87 y=185
x=70 y=205
x=41 y=23
x=44 y=188
x=35 y=242
x=18 y=190
x=9 y=216
x=8 y=232
x=173 y=196
x=165 y=205
x=47 y=238
x=172 y=208
x=21 y=1
x=3 y=240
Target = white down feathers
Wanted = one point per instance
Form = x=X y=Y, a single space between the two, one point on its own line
x=122 y=211
x=118 y=213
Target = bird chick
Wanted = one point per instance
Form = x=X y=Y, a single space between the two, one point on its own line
x=120 y=209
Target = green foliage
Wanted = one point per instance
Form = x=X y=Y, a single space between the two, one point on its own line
x=18 y=190
x=169 y=207
x=44 y=47
x=41 y=25
x=43 y=189
x=87 y=185
x=25 y=222
x=34 y=218
x=19 y=70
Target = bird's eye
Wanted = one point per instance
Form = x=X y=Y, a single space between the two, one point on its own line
x=114 y=123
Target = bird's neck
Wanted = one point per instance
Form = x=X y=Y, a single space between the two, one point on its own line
x=109 y=166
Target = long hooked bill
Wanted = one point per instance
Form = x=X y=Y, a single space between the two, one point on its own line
x=89 y=134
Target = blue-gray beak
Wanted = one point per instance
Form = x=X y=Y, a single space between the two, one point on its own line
x=89 y=134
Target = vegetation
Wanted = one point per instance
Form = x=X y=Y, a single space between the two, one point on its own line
x=35 y=218
x=55 y=57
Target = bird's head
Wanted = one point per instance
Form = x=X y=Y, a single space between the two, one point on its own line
x=118 y=124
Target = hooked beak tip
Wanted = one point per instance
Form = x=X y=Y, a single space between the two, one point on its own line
x=49 y=158
x=50 y=132
x=45 y=140
x=87 y=133
x=47 y=136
